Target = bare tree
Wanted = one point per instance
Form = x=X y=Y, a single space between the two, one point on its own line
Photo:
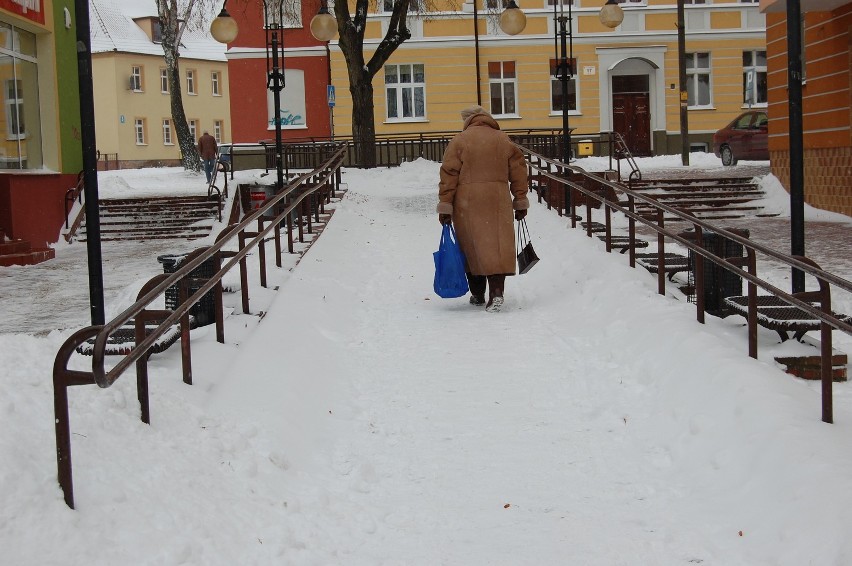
x=175 y=17
x=351 y=27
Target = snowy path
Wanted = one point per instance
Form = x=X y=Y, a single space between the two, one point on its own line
x=363 y=421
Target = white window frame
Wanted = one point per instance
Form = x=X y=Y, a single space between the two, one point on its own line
x=503 y=83
x=692 y=74
x=136 y=78
x=190 y=82
x=139 y=131
x=215 y=83
x=193 y=128
x=758 y=70
x=399 y=92
x=217 y=130
x=164 y=80
x=14 y=110
x=167 y=132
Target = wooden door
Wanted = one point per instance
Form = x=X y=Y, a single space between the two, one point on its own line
x=631 y=111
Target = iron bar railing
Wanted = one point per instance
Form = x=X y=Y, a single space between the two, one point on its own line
x=616 y=197
x=277 y=210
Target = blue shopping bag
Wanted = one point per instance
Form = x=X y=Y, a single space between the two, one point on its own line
x=450 y=280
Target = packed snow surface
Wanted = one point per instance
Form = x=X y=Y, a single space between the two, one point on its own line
x=355 y=418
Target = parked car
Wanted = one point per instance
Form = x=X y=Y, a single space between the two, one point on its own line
x=746 y=137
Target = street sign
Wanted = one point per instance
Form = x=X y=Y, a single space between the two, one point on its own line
x=331 y=96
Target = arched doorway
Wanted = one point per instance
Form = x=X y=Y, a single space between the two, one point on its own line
x=632 y=91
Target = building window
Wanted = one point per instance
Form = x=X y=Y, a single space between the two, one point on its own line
x=494 y=4
x=15 y=127
x=405 y=86
x=633 y=2
x=164 y=80
x=139 y=126
x=193 y=129
x=562 y=2
x=217 y=130
x=386 y=6
x=167 y=132
x=556 y=86
x=698 y=79
x=754 y=77
x=136 y=78
x=190 y=81
x=19 y=71
x=156 y=31
x=503 y=85
x=215 y=81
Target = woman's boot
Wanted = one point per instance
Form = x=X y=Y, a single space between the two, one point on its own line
x=476 y=284
x=495 y=293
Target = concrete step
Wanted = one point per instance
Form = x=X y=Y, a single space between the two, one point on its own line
x=30 y=257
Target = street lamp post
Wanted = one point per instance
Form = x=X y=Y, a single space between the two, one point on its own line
x=273 y=18
x=224 y=30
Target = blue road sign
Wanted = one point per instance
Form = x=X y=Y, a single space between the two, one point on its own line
x=331 y=95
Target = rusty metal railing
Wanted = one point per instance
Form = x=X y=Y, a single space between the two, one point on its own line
x=596 y=191
x=278 y=210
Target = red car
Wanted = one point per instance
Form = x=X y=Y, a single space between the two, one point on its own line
x=746 y=137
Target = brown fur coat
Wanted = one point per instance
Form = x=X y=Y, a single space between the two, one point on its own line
x=483 y=180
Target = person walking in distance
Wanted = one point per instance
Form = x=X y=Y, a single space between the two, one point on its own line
x=207 y=148
x=483 y=179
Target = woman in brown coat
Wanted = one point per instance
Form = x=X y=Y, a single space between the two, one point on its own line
x=483 y=179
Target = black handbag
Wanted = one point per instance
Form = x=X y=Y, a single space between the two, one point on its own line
x=526 y=256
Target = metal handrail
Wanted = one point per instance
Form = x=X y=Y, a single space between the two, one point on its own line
x=322 y=177
x=803 y=300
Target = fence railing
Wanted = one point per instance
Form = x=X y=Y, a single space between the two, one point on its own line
x=594 y=191
x=394 y=149
x=151 y=325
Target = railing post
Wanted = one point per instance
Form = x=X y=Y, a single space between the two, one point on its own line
x=825 y=355
x=218 y=308
x=608 y=223
x=142 y=368
x=699 y=274
x=278 y=244
x=185 y=352
x=631 y=229
x=63 y=438
x=661 y=254
x=244 y=274
x=752 y=305
x=261 y=254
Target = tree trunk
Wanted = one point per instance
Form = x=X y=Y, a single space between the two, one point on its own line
x=189 y=157
x=363 y=122
x=172 y=26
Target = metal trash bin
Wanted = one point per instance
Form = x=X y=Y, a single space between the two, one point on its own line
x=204 y=310
x=719 y=283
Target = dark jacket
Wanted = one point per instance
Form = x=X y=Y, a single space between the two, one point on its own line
x=207 y=147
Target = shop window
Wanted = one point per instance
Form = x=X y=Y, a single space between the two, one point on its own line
x=21 y=146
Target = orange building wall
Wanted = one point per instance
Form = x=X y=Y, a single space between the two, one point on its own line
x=826 y=102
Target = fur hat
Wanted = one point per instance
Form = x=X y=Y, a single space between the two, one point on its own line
x=472 y=111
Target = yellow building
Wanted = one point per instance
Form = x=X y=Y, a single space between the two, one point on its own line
x=132 y=101
x=625 y=79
